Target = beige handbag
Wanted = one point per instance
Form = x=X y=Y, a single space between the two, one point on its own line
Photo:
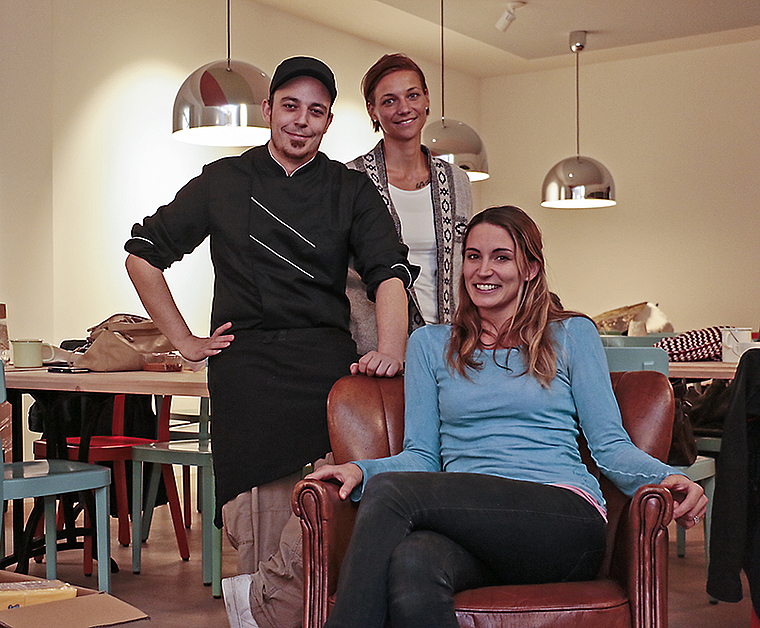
x=122 y=342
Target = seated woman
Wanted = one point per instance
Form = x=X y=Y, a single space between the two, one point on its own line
x=495 y=401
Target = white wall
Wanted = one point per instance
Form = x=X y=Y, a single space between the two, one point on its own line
x=102 y=75
x=86 y=152
x=680 y=134
x=26 y=131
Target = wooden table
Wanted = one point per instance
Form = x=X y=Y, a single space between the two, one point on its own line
x=18 y=381
x=182 y=383
x=22 y=380
x=702 y=370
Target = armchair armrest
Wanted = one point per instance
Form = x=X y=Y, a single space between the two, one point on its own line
x=327 y=523
x=643 y=535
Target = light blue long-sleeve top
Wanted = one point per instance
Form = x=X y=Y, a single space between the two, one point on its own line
x=503 y=422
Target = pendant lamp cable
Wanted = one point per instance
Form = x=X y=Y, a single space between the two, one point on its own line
x=577 y=109
x=443 y=65
x=456 y=142
x=229 y=37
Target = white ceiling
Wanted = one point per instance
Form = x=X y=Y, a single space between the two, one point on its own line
x=538 y=38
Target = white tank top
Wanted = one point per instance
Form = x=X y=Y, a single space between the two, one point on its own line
x=415 y=210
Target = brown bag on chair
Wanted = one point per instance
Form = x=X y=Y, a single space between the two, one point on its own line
x=683 y=446
x=122 y=342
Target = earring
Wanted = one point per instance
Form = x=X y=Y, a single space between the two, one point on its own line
x=427 y=111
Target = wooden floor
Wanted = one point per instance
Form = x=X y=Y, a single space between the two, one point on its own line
x=688 y=603
x=170 y=591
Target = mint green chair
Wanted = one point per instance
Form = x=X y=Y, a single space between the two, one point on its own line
x=48 y=479
x=622 y=359
x=702 y=472
x=193 y=452
x=632 y=358
x=616 y=340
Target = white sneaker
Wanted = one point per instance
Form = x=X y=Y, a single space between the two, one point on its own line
x=236 y=592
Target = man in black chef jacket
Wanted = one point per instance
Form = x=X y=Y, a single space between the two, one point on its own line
x=283 y=221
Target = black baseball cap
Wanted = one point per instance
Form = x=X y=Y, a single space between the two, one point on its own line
x=303 y=66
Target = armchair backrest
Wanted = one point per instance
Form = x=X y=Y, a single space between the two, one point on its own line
x=365 y=417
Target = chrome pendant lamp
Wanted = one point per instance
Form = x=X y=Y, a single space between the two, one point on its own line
x=220 y=104
x=454 y=141
x=578 y=182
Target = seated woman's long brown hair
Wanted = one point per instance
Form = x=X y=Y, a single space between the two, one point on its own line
x=537 y=307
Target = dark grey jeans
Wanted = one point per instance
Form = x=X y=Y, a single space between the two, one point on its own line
x=421 y=537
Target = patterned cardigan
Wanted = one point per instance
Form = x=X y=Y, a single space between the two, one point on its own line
x=452 y=209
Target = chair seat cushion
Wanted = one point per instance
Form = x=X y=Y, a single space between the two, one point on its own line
x=105 y=442
x=96 y=442
x=595 y=603
x=50 y=477
x=556 y=605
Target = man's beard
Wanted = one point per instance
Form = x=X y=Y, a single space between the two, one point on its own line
x=294 y=148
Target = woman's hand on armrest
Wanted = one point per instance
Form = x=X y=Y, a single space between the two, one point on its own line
x=689 y=498
x=349 y=475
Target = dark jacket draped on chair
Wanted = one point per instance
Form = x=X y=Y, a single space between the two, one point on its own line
x=735 y=536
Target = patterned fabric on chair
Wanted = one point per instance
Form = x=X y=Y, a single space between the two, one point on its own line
x=365 y=418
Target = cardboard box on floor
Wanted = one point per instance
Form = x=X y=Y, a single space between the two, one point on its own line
x=89 y=609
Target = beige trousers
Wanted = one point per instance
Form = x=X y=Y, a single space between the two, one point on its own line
x=261 y=525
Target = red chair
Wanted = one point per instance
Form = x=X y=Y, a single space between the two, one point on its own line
x=365 y=419
x=117 y=449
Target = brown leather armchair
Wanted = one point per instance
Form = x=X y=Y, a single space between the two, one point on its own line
x=365 y=418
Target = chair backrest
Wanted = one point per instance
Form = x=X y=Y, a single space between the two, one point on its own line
x=610 y=340
x=622 y=359
x=365 y=417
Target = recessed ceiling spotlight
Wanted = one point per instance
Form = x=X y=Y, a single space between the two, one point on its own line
x=508 y=16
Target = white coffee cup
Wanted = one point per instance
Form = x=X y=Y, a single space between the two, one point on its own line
x=733 y=337
x=29 y=353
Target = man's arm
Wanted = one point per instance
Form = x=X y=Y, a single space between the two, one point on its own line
x=391 y=309
x=155 y=295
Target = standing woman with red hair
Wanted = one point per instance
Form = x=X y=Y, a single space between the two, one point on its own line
x=429 y=199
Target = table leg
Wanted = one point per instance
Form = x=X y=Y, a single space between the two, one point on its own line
x=207 y=516
x=51 y=532
x=137 y=493
x=102 y=519
x=17 y=453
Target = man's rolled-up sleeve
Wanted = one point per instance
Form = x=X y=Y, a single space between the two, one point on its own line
x=378 y=254
x=175 y=229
